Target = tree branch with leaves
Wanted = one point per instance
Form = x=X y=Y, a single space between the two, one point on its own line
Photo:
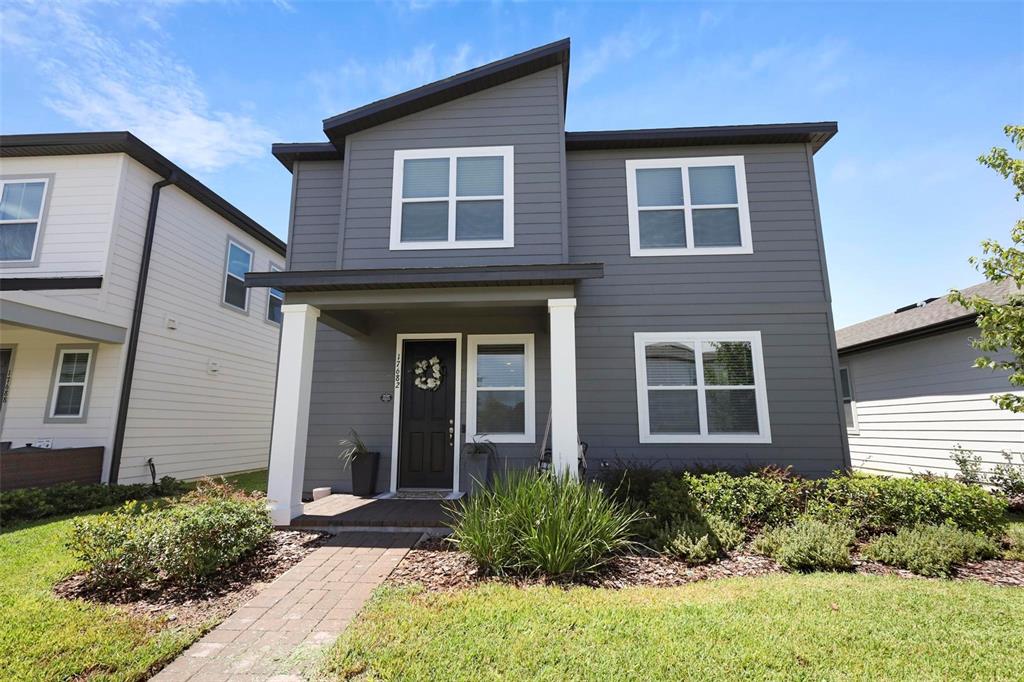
x=1002 y=323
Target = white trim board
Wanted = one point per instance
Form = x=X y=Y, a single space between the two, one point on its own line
x=684 y=164
x=641 y=339
x=453 y=154
x=400 y=340
x=529 y=390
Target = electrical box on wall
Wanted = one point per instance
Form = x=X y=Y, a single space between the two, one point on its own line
x=170 y=322
x=212 y=367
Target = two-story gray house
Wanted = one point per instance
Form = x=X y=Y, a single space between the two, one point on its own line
x=460 y=267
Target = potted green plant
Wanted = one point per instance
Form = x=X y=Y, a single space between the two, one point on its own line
x=355 y=455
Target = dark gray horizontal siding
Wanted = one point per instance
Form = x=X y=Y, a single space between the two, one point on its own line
x=523 y=113
x=350 y=374
x=316 y=214
x=778 y=290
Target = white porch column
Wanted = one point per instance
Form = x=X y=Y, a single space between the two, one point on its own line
x=291 y=412
x=564 y=432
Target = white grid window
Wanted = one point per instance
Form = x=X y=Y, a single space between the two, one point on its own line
x=500 y=388
x=70 y=383
x=688 y=206
x=21 y=210
x=239 y=262
x=452 y=198
x=849 y=404
x=705 y=387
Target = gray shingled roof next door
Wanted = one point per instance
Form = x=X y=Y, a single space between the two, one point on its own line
x=937 y=313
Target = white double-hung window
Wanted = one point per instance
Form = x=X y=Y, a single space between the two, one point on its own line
x=21 y=212
x=500 y=388
x=452 y=198
x=70 y=383
x=703 y=387
x=688 y=206
x=237 y=263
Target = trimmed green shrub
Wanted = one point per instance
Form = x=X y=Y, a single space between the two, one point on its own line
x=877 y=504
x=753 y=500
x=809 y=544
x=698 y=541
x=1015 y=542
x=529 y=523
x=182 y=543
x=931 y=550
x=67 y=498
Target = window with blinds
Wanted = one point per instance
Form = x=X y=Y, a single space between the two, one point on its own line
x=701 y=387
x=500 y=388
x=688 y=206
x=452 y=198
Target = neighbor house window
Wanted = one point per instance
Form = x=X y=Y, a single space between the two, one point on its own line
x=849 y=404
x=452 y=198
x=239 y=262
x=500 y=399
x=21 y=211
x=70 y=383
x=701 y=387
x=688 y=206
x=274 y=300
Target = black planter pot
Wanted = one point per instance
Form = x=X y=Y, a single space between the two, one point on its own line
x=364 y=474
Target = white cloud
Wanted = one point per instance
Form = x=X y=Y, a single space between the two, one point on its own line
x=100 y=82
x=357 y=82
x=617 y=47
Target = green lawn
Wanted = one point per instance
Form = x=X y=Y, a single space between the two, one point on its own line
x=253 y=481
x=813 y=627
x=46 y=638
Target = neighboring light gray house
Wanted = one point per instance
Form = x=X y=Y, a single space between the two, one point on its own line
x=911 y=392
x=460 y=267
x=126 y=331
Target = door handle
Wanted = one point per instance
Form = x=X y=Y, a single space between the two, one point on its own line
x=451 y=432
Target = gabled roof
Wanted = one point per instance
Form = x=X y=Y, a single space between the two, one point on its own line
x=931 y=316
x=64 y=144
x=448 y=89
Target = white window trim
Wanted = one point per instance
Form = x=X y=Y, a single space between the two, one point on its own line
x=38 y=220
x=227 y=273
x=684 y=164
x=453 y=153
x=854 y=426
x=57 y=384
x=271 y=296
x=530 y=433
x=764 y=435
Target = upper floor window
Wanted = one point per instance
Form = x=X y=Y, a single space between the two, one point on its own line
x=452 y=198
x=239 y=262
x=275 y=298
x=21 y=211
x=701 y=387
x=688 y=206
x=849 y=404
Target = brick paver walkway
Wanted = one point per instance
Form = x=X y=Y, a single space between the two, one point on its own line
x=279 y=634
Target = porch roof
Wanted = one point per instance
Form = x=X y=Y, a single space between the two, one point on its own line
x=420 y=278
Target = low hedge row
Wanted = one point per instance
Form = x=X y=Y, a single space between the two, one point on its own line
x=868 y=504
x=181 y=543
x=27 y=504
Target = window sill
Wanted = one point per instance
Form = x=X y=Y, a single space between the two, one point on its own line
x=681 y=438
x=528 y=439
x=709 y=251
x=443 y=246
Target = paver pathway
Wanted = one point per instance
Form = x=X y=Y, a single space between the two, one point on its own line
x=279 y=634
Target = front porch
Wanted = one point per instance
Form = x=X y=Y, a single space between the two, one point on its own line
x=354 y=344
x=342 y=512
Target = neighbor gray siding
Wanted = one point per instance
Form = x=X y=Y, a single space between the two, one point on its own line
x=525 y=113
x=779 y=290
x=915 y=401
x=350 y=374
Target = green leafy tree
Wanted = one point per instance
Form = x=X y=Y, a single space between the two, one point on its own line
x=1002 y=324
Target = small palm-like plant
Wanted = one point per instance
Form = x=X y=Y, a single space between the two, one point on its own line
x=352 y=448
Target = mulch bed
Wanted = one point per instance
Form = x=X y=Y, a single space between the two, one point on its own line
x=199 y=606
x=437 y=566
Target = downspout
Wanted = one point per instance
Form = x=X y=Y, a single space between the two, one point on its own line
x=133 y=339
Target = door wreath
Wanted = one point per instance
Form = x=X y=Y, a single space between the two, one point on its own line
x=429 y=374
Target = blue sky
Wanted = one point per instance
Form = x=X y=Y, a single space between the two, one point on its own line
x=919 y=90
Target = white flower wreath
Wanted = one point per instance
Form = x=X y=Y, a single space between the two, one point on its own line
x=428 y=374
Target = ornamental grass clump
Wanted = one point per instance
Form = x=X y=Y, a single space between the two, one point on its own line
x=808 y=545
x=931 y=550
x=536 y=524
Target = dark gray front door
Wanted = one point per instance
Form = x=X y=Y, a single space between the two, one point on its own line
x=426 y=441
